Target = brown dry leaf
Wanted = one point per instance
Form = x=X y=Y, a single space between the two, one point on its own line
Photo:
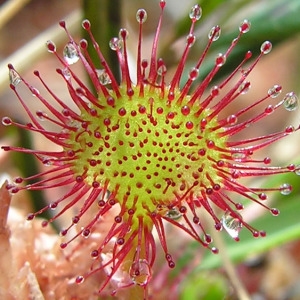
x=32 y=264
x=9 y=277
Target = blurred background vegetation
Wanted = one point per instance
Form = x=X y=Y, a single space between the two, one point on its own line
x=268 y=267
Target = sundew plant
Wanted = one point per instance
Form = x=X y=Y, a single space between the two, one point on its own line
x=153 y=150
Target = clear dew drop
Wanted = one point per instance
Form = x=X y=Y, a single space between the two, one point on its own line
x=140 y=272
x=215 y=90
x=53 y=205
x=207 y=238
x=123 y=34
x=85 y=232
x=232 y=119
x=245 y=26
x=51 y=46
x=220 y=60
x=47 y=161
x=174 y=214
x=195 y=13
x=115 y=44
x=285 y=189
x=193 y=74
x=161 y=70
x=274 y=91
x=297 y=170
x=6 y=121
x=190 y=40
x=79 y=279
x=35 y=92
x=41 y=115
x=290 y=101
x=66 y=73
x=214 y=33
x=234 y=41
x=106 y=195
x=266 y=47
x=141 y=16
x=244 y=87
x=232 y=223
x=14 y=77
x=103 y=77
x=70 y=54
x=238 y=156
x=86 y=24
x=289 y=129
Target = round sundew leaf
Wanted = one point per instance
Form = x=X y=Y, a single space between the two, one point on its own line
x=123 y=142
x=151 y=154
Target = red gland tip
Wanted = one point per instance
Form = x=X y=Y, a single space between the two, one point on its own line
x=62 y=23
x=162 y=4
x=86 y=24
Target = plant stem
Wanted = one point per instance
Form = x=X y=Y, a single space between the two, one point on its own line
x=10 y=9
x=229 y=267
